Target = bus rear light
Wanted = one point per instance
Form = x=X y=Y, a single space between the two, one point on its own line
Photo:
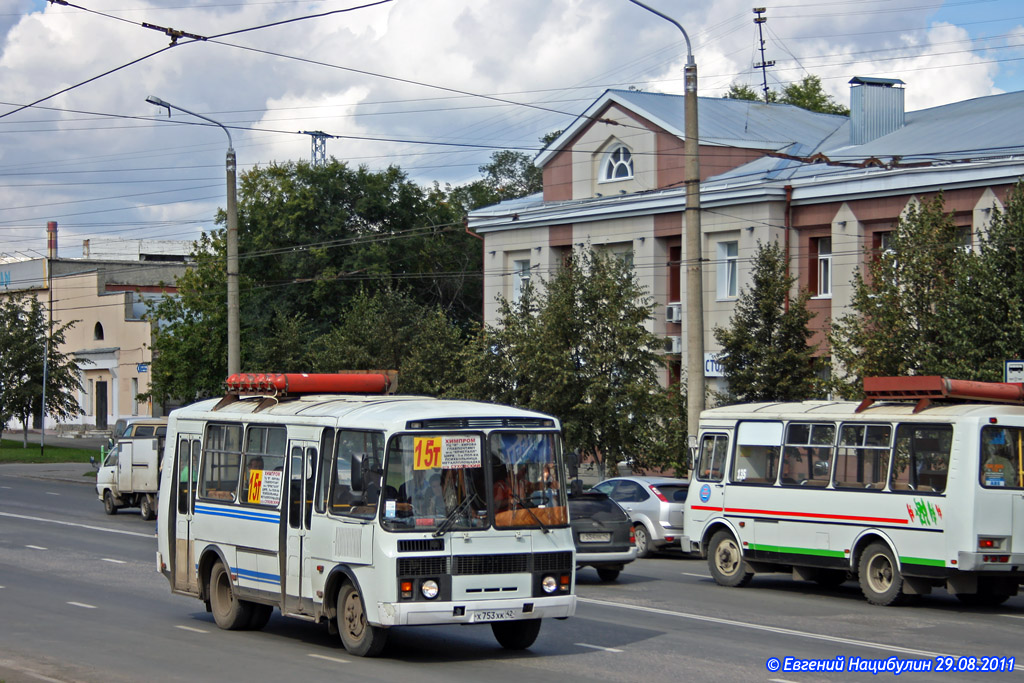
x=990 y=543
x=995 y=558
x=659 y=494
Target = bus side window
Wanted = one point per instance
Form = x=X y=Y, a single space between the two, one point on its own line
x=862 y=458
x=807 y=456
x=184 y=474
x=711 y=465
x=325 y=478
x=920 y=461
x=221 y=462
x=1001 y=457
x=344 y=500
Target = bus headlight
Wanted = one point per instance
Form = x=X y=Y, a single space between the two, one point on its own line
x=429 y=589
x=549 y=584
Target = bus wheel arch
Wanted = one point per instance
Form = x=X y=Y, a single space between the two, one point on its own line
x=332 y=589
x=710 y=531
x=358 y=635
x=210 y=556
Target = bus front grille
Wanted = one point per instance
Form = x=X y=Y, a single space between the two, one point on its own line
x=422 y=566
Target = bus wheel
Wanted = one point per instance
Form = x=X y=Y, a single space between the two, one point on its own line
x=516 y=635
x=108 y=503
x=359 y=637
x=146 y=508
x=880 y=581
x=229 y=612
x=726 y=562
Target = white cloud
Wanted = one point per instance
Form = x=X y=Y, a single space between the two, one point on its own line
x=556 y=55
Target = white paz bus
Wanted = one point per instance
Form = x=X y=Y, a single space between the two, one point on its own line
x=333 y=501
x=920 y=485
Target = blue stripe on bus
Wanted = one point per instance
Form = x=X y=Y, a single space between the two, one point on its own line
x=258 y=577
x=239 y=513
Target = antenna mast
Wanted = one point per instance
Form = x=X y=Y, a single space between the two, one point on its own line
x=762 y=65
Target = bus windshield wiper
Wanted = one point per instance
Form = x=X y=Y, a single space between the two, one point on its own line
x=454 y=515
x=515 y=497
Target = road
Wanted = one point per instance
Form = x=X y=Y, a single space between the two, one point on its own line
x=80 y=600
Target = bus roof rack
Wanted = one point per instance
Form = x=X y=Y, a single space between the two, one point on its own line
x=928 y=388
x=277 y=386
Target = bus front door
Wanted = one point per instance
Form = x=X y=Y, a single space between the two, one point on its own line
x=184 y=560
x=302 y=467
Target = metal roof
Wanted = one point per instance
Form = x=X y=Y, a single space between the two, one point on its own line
x=734 y=123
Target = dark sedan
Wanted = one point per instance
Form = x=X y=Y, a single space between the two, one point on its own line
x=603 y=533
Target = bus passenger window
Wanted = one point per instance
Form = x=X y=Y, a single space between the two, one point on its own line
x=1001 y=457
x=920 y=460
x=807 y=457
x=862 y=458
x=221 y=462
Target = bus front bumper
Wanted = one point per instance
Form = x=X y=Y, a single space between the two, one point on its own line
x=474 y=612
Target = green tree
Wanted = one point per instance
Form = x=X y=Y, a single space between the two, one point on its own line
x=765 y=351
x=387 y=329
x=916 y=311
x=577 y=347
x=807 y=93
x=23 y=334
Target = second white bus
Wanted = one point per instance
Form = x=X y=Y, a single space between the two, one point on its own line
x=365 y=512
x=905 y=495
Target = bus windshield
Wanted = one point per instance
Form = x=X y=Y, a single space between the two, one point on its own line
x=437 y=482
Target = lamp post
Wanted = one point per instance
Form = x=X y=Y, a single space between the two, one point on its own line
x=692 y=239
x=234 y=343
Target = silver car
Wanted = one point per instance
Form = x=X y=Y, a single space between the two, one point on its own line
x=654 y=505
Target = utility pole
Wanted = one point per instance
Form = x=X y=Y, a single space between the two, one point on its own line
x=762 y=65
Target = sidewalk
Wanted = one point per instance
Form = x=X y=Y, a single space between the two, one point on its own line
x=74 y=472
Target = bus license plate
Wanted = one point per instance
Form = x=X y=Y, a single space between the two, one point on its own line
x=493 y=615
x=595 y=537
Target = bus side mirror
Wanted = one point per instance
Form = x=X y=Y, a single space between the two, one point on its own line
x=572 y=461
x=691 y=442
x=356 y=469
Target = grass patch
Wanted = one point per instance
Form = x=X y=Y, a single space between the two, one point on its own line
x=12 y=451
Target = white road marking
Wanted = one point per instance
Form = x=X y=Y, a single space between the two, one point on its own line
x=192 y=629
x=1012 y=616
x=337 y=660
x=598 y=647
x=36 y=547
x=5 y=487
x=107 y=559
x=699 y=576
x=75 y=524
x=775 y=629
x=51 y=493
x=82 y=604
x=780 y=680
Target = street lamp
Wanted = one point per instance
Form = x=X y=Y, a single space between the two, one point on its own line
x=234 y=344
x=692 y=238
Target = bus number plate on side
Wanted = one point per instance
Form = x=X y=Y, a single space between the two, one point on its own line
x=494 y=615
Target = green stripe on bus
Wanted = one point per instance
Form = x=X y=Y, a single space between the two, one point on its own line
x=922 y=560
x=797 y=551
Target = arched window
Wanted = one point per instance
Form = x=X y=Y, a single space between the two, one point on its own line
x=97 y=332
x=618 y=164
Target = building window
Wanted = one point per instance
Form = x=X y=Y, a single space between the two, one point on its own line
x=97 y=331
x=964 y=237
x=728 y=264
x=824 y=266
x=618 y=164
x=520 y=278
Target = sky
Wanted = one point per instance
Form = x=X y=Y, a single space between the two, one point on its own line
x=432 y=86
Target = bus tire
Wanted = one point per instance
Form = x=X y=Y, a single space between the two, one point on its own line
x=230 y=613
x=146 y=508
x=726 y=561
x=880 y=580
x=360 y=638
x=108 y=503
x=260 y=616
x=516 y=635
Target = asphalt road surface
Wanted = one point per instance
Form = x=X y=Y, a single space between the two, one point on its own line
x=80 y=600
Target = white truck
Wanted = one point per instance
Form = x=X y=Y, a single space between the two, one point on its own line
x=129 y=475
